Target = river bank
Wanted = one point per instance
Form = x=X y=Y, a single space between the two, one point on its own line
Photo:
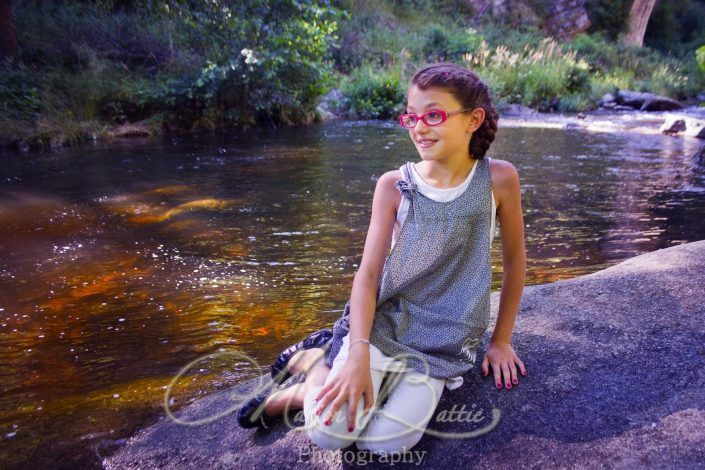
x=614 y=362
x=600 y=120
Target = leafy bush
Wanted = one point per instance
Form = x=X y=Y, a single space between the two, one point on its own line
x=374 y=94
x=533 y=76
x=700 y=57
x=444 y=43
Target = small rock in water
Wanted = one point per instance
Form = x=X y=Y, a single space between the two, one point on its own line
x=676 y=126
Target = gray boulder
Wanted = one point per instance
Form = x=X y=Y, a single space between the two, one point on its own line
x=660 y=103
x=634 y=99
x=517 y=110
x=615 y=379
x=606 y=98
x=646 y=101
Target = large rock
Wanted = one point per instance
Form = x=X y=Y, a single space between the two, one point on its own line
x=516 y=110
x=646 y=101
x=691 y=126
x=660 y=103
x=567 y=18
x=632 y=98
x=615 y=379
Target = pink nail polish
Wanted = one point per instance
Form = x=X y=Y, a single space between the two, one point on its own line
x=326 y=422
x=515 y=381
x=350 y=429
x=509 y=385
x=499 y=385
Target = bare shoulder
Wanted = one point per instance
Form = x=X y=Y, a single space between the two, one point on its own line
x=386 y=184
x=505 y=179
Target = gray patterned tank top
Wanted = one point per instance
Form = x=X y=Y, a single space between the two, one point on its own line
x=433 y=302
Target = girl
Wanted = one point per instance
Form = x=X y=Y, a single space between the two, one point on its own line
x=420 y=309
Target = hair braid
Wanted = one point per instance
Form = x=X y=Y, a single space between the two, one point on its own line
x=483 y=137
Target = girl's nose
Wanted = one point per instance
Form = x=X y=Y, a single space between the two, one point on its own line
x=420 y=125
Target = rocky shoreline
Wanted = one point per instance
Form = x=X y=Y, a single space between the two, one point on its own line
x=615 y=376
x=627 y=111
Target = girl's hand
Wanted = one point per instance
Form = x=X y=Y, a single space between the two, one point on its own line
x=353 y=379
x=502 y=357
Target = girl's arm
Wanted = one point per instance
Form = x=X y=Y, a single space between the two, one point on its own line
x=500 y=354
x=354 y=378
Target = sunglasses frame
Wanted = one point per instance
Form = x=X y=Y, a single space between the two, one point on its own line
x=444 y=115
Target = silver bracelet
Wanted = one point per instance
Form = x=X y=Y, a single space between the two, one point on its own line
x=358 y=341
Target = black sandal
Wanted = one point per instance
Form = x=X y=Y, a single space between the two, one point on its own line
x=252 y=415
x=318 y=339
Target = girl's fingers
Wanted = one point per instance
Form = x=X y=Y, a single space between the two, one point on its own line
x=335 y=406
x=352 y=410
x=521 y=366
x=323 y=402
x=324 y=390
x=507 y=379
x=515 y=374
x=497 y=375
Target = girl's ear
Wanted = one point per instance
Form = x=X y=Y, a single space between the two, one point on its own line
x=475 y=120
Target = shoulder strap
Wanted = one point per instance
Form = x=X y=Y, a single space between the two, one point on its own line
x=406 y=174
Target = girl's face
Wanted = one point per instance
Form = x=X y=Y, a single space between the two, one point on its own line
x=448 y=140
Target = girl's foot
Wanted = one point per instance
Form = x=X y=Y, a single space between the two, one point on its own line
x=252 y=414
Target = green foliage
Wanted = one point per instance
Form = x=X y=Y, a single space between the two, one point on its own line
x=443 y=43
x=19 y=96
x=374 y=94
x=700 y=57
x=532 y=76
x=676 y=27
x=192 y=65
x=231 y=63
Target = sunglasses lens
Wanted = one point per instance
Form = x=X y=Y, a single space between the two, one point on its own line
x=408 y=120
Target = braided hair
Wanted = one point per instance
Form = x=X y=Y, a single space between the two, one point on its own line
x=467 y=87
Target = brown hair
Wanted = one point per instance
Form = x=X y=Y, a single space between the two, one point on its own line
x=466 y=86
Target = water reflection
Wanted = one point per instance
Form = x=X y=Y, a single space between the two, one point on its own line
x=121 y=264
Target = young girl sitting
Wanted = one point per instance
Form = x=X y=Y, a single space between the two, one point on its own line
x=421 y=308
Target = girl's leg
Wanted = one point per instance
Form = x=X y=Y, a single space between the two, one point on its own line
x=310 y=361
x=336 y=434
x=400 y=423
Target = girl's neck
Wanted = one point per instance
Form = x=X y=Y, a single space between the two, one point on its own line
x=444 y=174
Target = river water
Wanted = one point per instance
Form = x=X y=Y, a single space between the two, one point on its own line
x=121 y=263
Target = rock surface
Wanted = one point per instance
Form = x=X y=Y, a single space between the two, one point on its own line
x=615 y=379
x=676 y=123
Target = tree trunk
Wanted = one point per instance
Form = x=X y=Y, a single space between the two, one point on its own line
x=8 y=35
x=638 y=19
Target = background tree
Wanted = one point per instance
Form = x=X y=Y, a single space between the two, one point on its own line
x=638 y=19
x=8 y=35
